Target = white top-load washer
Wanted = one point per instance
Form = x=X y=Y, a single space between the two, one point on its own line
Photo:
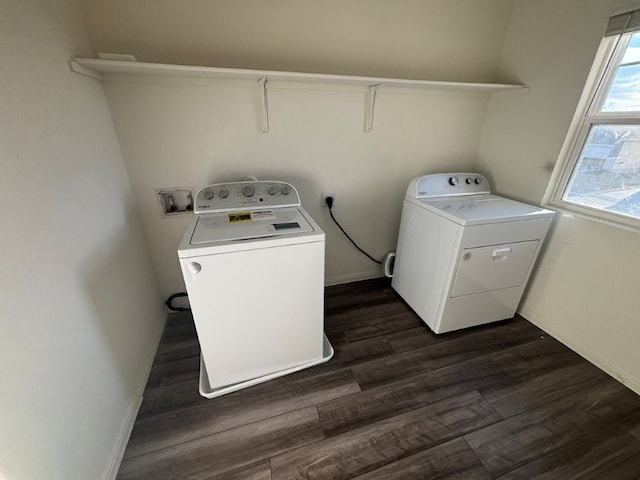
x=464 y=255
x=253 y=263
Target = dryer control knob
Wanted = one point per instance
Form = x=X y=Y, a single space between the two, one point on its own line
x=249 y=191
x=469 y=180
x=272 y=190
x=478 y=180
x=223 y=193
x=286 y=189
x=208 y=194
x=453 y=181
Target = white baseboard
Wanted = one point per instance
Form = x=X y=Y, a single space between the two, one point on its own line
x=117 y=452
x=581 y=349
x=352 y=277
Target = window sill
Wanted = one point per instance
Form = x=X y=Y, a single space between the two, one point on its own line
x=584 y=213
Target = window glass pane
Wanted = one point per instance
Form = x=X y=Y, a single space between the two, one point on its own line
x=624 y=94
x=632 y=52
x=607 y=173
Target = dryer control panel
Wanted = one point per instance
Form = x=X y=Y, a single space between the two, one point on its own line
x=446 y=184
x=253 y=195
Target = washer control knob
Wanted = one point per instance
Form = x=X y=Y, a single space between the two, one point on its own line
x=469 y=180
x=223 y=193
x=249 y=190
x=286 y=189
x=453 y=181
x=208 y=194
x=272 y=190
x=478 y=180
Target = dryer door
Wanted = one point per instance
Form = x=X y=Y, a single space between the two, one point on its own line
x=494 y=267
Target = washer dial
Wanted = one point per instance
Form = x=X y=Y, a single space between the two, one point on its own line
x=272 y=190
x=453 y=181
x=208 y=194
x=249 y=190
x=223 y=193
x=286 y=189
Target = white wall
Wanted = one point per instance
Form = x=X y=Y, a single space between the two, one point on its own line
x=585 y=289
x=432 y=39
x=80 y=308
x=184 y=133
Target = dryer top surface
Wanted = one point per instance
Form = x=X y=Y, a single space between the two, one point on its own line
x=481 y=209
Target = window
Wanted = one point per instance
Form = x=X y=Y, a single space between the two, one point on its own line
x=601 y=176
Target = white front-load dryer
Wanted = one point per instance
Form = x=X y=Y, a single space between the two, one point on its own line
x=464 y=255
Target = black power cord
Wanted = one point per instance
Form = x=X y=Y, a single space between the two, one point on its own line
x=174 y=308
x=329 y=202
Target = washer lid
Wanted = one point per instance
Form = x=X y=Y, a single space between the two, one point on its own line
x=482 y=209
x=248 y=224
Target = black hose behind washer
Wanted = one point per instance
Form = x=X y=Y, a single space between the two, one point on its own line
x=170 y=306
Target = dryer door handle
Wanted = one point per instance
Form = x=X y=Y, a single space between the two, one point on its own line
x=500 y=253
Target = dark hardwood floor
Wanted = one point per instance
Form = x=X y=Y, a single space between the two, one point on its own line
x=500 y=401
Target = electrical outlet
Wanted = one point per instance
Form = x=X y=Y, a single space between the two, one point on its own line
x=323 y=199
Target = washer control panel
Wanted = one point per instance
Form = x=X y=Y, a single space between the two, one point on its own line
x=447 y=184
x=226 y=197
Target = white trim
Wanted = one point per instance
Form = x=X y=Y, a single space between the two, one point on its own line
x=588 y=113
x=569 y=145
x=119 y=446
x=603 y=363
x=564 y=162
x=352 y=277
x=593 y=214
x=117 y=452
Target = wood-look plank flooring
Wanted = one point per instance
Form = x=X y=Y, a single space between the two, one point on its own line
x=500 y=401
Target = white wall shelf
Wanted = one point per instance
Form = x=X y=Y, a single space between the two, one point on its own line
x=94 y=68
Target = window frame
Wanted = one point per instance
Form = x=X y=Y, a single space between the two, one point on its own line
x=587 y=114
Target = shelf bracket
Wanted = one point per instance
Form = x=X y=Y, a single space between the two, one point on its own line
x=264 y=104
x=82 y=70
x=371 y=103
